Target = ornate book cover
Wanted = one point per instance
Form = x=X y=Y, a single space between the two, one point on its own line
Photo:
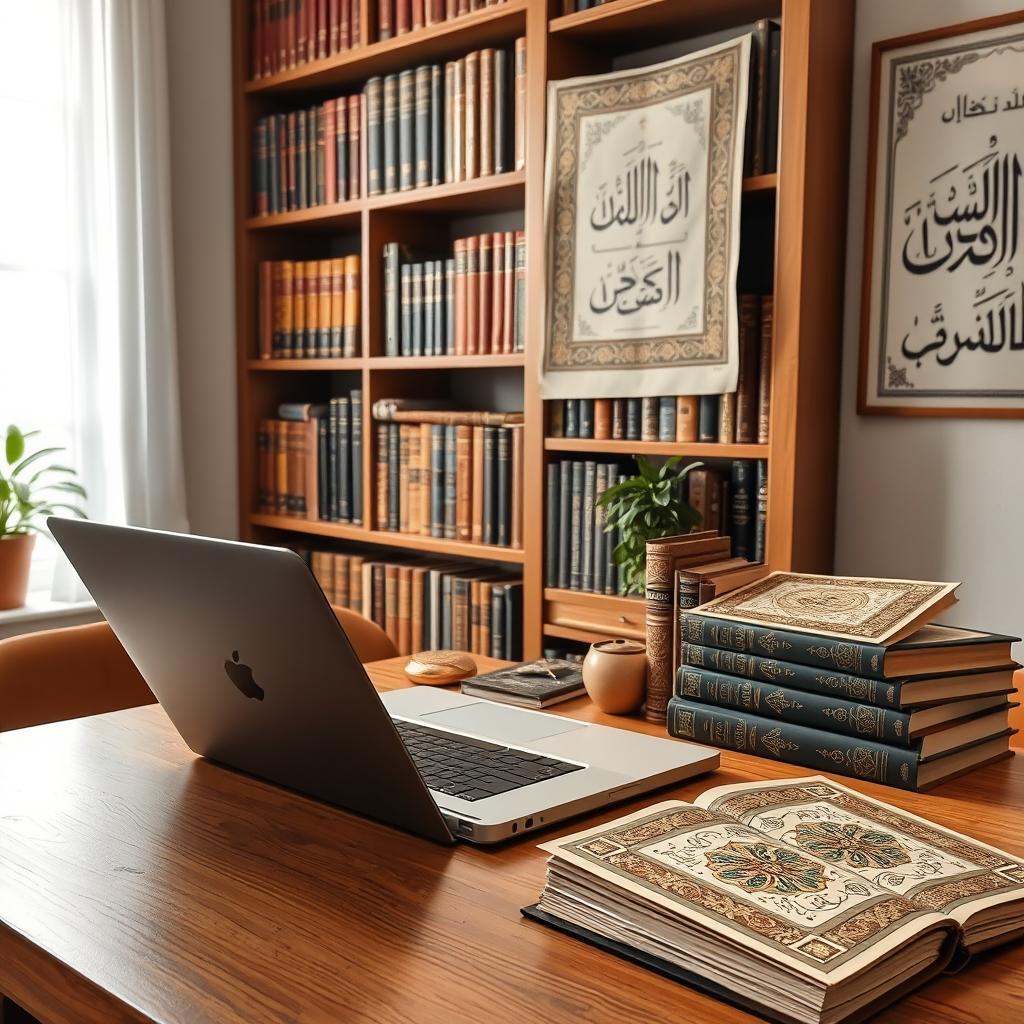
x=865 y=609
x=643 y=181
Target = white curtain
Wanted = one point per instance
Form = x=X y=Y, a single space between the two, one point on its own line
x=126 y=419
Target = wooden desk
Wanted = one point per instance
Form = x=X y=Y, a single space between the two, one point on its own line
x=139 y=883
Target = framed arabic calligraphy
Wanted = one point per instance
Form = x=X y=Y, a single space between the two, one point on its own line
x=643 y=183
x=942 y=305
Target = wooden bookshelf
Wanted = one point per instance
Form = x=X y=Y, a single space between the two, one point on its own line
x=807 y=198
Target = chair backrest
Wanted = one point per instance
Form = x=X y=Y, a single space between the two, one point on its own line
x=368 y=640
x=1017 y=714
x=58 y=674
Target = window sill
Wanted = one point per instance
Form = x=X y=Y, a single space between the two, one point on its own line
x=40 y=612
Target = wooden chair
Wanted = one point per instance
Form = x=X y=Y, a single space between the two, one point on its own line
x=57 y=674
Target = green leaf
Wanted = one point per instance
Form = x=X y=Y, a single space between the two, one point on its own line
x=5 y=490
x=647 y=470
x=66 y=485
x=15 y=444
x=34 y=457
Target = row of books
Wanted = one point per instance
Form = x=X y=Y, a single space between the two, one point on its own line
x=905 y=712
x=458 y=480
x=471 y=303
x=286 y=34
x=428 y=605
x=308 y=157
x=741 y=416
x=435 y=123
x=309 y=309
x=732 y=502
x=396 y=17
x=309 y=460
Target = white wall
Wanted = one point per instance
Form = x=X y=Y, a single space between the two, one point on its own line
x=199 y=72
x=924 y=498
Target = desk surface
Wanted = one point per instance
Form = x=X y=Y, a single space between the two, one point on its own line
x=139 y=883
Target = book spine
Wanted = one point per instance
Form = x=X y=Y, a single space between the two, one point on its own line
x=437 y=482
x=418 y=14
x=575 y=518
x=500 y=119
x=600 y=537
x=383 y=498
x=552 y=500
x=484 y=273
x=850 y=718
x=416 y=310
x=352 y=304
x=497 y=292
x=436 y=124
x=311 y=273
x=513 y=615
x=792 y=675
x=743 y=501
x=463 y=482
x=587 y=518
x=341 y=149
x=320 y=161
x=344 y=463
x=421 y=126
x=486 y=111
x=406 y=132
x=337 y=314
x=764 y=377
x=519 y=333
x=460 y=338
x=564 y=521
x=261 y=175
x=658 y=595
x=634 y=417
x=746 y=386
x=392 y=306
x=471 y=134
x=490 y=485
x=472 y=285
x=727 y=418
x=355 y=455
x=687 y=412
x=771 y=132
x=390 y=133
x=394 y=476
x=649 y=408
x=666 y=419
x=422 y=518
x=450 y=482
x=477 y=504
x=793 y=744
x=291 y=160
x=707 y=418
x=503 y=489
x=787 y=645
x=602 y=418
x=324 y=285
x=586 y=417
x=519 y=117
x=355 y=161
x=497 y=623
x=403 y=16
x=330 y=151
x=449 y=306
x=618 y=419
x=458 y=125
x=761 y=512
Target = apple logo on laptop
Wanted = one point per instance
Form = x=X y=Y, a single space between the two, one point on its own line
x=241 y=675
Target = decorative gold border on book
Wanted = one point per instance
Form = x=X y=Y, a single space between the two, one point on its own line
x=720 y=71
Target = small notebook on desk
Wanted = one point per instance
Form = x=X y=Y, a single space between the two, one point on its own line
x=533 y=684
x=800 y=900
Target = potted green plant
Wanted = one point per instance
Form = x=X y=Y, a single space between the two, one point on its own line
x=31 y=488
x=643 y=508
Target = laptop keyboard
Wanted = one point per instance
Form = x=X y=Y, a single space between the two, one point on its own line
x=474 y=769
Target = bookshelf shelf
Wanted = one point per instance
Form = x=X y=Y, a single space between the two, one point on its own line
x=494 y=192
x=445 y=362
x=663 y=448
x=331 y=217
x=446 y=39
x=793 y=213
x=303 y=365
x=624 y=21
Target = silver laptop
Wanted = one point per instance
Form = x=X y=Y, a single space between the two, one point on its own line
x=241 y=648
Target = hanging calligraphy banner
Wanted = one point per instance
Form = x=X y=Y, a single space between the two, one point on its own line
x=942 y=308
x=643 y=182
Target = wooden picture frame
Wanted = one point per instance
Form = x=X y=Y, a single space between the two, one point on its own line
x=928 y=93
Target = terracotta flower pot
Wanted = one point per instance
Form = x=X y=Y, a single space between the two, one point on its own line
x=15 y=560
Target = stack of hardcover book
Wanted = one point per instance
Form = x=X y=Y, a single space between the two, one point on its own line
x=450 y=473
x=847 y=675
x=428 y=604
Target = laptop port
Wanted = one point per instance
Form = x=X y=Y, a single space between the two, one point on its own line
x=529 y=822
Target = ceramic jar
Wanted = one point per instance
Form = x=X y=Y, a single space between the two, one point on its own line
x=615 y=675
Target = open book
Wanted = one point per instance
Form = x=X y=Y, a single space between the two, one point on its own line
x=799 y=899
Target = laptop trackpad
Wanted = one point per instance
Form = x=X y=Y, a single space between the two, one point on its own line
x=496 y=722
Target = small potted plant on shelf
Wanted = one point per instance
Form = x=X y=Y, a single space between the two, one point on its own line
x=645 y=507
x=31 y=488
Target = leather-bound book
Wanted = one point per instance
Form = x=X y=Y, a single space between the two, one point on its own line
x=634 y=419
x=336 y=319
x=704 y=487
x=587 y=523
x=324 y=284
x=403 y=16
x=649 y=408
x=291 y=160
x=503 y=497
x=519 y=118
x=519 y=335
x=416 y=310
x=600 y=537
x=383 y=497
x=262 y=185
x=392 y=298
x=500 y=92
x=330 y=151
x=448 y=111
x=490 y=485
x=743 y=502
x=322 y=27
x=618 y=419
x=461 y=329
x=463 y=482
x=341 y=408
x=486 y=111
x=318 y=191
x=472 y=109
x=449 y=306
x=390 y=573
x=473 y=295
x=586 y=417
x=564 y=522
x=508 y=293
x=436 y=124
x=417 y=13
x=341 y=183
x=394 y=477
x=404 y=431
x=498 y=271
x=764 y=376
x=602 y=418
x=687 y=411
x=556 y=418
x=295 y=341
x=727 y=418
x=761 y=511
x=355 y=163
x=312 y=276
x=572 y=416
x=450 y=481
x=420 y=518
x=476 y=512
x=576 y=526
x=412 y=517
x=283 y=277
x=345 y=24
x=405 y=271
x=356 y=454
x=458 y=122
x=350 y=332
x=421 y=123
x=406 y=133
x=437 y=480
x=303 y=195
x=552 y=540
x=405 y=609
x=390 y=133
x=707 y=418
x=666 y=418
x=355 y=20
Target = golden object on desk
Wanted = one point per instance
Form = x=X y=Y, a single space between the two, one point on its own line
x=615 y=675
x=439 y=668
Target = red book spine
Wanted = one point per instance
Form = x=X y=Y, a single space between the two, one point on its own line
x=291 y=25
x=417 y=14
x=472 y=295
x=451 y=9
x=463 y=7
x=434 y=12
x=345 y=27
x=385 y=22
x=334 y=26
x=355 y=19
x=321 y=29
x=484 y=301
x=355 y=162
x=281 y=35
x=301 y=33
x=509 y=293
x=403 y=16
x=497 y=291
x=460 y=296
x=330 y=152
